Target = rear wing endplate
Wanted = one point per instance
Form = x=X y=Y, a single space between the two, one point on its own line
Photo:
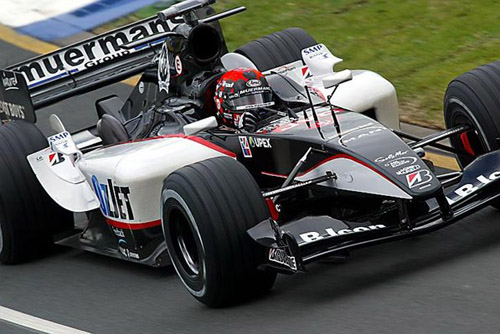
x=15 y=100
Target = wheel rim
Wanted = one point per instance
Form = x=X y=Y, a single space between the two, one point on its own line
x=176 y=214
x=187 y=255
x=185 y=244
x=471 y=141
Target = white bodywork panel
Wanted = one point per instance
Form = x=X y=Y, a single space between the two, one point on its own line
x=64 y=183
x=135 y=171
x=367 y=90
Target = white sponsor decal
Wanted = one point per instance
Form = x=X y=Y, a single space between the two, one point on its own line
x=419 y=178
x=391 y=156
x=125 y=252
x=280 y=256
x=227 y=84
x=354 y=137
x=106 y=59
x=468 y=189
x=315 y=236
x=118 y=232
x=286 y=68
x=260 y=142
x=254 y=83
x=10 y=83
x=408 y=169
x=255 y=106
x=80 y=57
x=401 y=162
x=12 y=110
x=164 y=69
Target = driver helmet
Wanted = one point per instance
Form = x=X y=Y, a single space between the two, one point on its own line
x=241 y=90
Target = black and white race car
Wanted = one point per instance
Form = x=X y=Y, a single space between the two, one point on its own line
x=162 y=182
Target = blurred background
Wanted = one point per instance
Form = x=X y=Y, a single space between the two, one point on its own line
x=419 y=45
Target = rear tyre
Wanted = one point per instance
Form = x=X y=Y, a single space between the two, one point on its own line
x=473 y=98
x=207 y=209
x=277 y=49
x=28 y=216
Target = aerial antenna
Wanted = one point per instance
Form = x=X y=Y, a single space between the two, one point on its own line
x=334 y=81
x=332 y=110
x=315 y=115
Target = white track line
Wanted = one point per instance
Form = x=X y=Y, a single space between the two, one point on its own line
x=37 y=324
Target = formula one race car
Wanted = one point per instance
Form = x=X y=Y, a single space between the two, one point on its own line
x=163 y=181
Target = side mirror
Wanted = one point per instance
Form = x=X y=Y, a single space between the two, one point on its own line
x=201 y=125
x=56 y=124
x=337 y=78
x=232 y=60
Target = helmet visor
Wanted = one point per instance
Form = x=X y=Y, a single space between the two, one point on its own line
x=250 y=102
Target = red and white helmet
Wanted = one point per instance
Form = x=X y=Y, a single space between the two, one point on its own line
x=241 y=90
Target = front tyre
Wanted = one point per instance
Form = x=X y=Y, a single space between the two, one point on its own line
x=207 y=209
x=473 y=99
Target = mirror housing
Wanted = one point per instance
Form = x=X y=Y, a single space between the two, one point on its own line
x=63 y=143
x=56 y=124
x=233 y=60
x=337 y=78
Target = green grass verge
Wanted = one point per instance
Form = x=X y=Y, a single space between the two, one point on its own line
x=418 y=45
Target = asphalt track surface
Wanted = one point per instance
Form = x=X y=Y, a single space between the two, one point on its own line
x=445 y=282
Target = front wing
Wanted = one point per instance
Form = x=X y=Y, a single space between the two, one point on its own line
x=296 y=243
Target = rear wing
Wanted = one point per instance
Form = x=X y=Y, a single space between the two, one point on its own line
x=92 y=63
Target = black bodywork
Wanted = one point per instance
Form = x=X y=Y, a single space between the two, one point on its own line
x=334 y=219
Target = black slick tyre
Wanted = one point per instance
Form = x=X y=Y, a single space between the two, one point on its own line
x=207 y=209
x=28 y=216
x=277 y=49
x=473 y=98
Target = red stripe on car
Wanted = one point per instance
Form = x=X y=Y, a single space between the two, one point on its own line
x=198 y=140
x=338 y=156
x=133 y=226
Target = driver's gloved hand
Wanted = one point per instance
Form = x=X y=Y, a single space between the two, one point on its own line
x=248 y=122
